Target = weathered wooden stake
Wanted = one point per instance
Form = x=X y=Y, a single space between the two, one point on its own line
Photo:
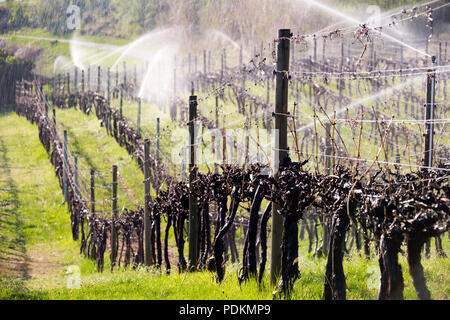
x=109 y=86
x=125 y=75
x=114 y=217
x=148 y=248
x=65 y=168
x=193 y=212
x=75 y=175
x=431 y=78
x=280 y=153
x=99 y=79
x=92 y=191
x=139 y=118
x=157 y=142
x=75 y=78
x=121 y=103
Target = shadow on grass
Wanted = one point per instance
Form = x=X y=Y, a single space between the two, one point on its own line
x=14 y=262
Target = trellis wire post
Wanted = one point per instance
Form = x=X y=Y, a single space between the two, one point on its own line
x=157 y=141
x=75 y=175
x=99 y=71
x=139 y=118
x=328 y=148
x=125 y=74
x=92 y=191
x=121 y=102
x=193 y=212
x=431 y=79
x=147 y=223
x=114 y=216
x=341 y=84
x=280 y=152
x=117 y=75
x=109 y=86
x=75 y=78
x=310 y=81
x=65 y=167
x=82 y=80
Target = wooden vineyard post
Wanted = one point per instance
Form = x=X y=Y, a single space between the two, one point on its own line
x=139 y=118
x=82 y=80
x=328 y=149
x=429 y=131
x=328 y=171
x=125 y=75
x=157 y=147
x=341 y=84
x=121 y=102
x=310 y=81
x=431 y=78
x=242 y=68
x=280 y=152
x=148 y=248
x=157 y=140
x=247 y=143
x=75 y=78
x=193 y=212
x=75 y=175
x=99 y=71
x=92 y=191
x=65 y=168
x=109 y=87
x=224 y=143
x=324 y=61
x=114 y=217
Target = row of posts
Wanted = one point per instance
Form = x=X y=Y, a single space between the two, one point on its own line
x=280 y=155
